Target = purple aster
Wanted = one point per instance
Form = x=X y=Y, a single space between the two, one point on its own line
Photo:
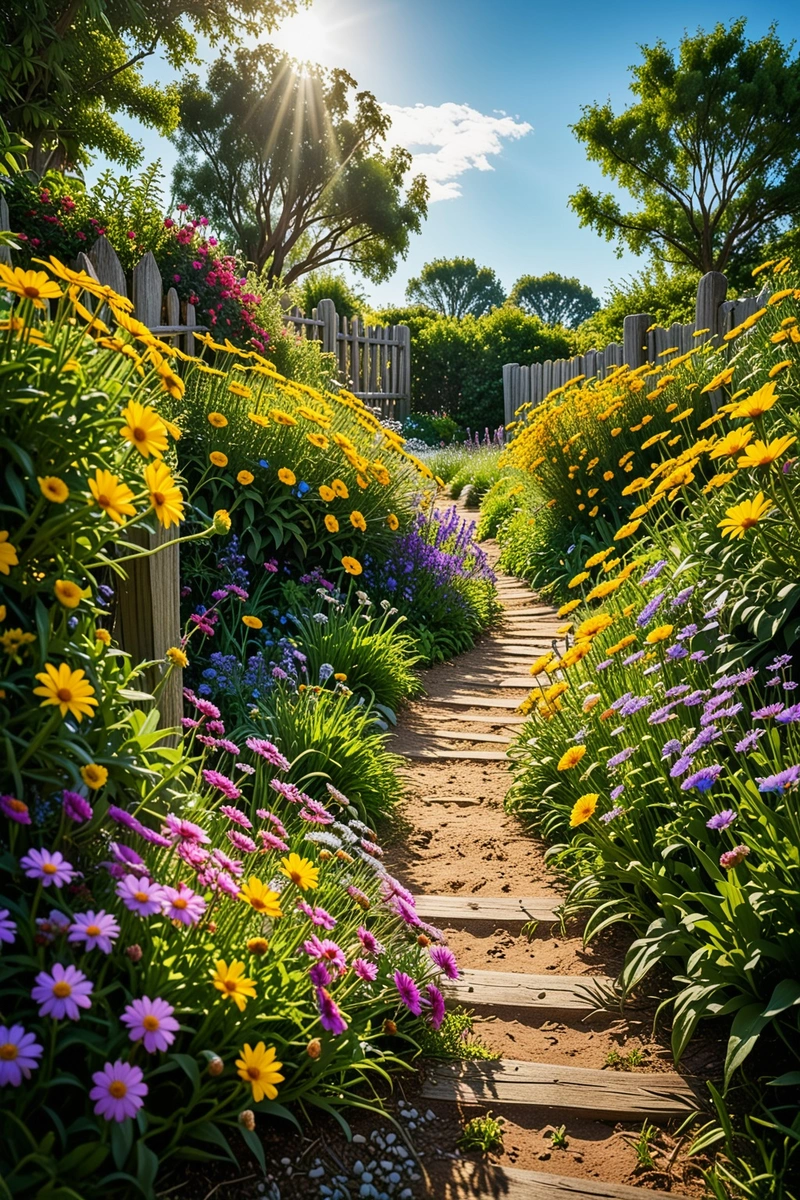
x=367 y=971
x=617 y=791
x=674 y=653
x=46 y=868
x=155 y=839
x=330 y=1017
x=654 y=572
x=670 y=748
x=62 y=993
x=151 y=1022
x=19 y=1054
x=221 y=782
x=703 y=780
x=745 y=677
x=141 y=895
x=206 y=708
x=235 y=814
x=789 y=685
x=633 y=658
x=661 y=715
x=435 y=1000
x=316 y=813
x=680 y=689
x=732 y=858
x=445 y=960
x=749 y=741
x=699 y=656
x=326 y=951
x=612 y=814
x=99 y=930
x=393 y=887
x=369 y=941
x=650 y=609
x=189 y=723
x=704 y=738
x=8 y=928
x=720 y=698
x=721 y=820
x=718 y=713
x=317 y=916
x=192 y=854
x=780 y=782
x=634 y=705
x=682 y=597
x=216 y=727
x=789 y=715
x=319 y=974
x=770 y=710
x=680 y=767
x=118 y=1091
x=185 y=831
x=205 y=740
x=694 y=699
x=270 y=752
x=617 y=760
x=76 y=807
x=408 y=992
x=271 y=841
x=264 y=814
x=620 y=701
x=182 y=904
x=783 y=660
x=654 y=669
x=405 y=911
x=775 y=682
x=602 y=666
x=687 y=633
x=15 y=810
x=288 y=790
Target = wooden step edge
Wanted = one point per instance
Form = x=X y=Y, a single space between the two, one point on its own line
x=482 y=1181
x=460 y=700
x=602 y=1095
x=568 y=994
x=501 y=911
x=433 y=755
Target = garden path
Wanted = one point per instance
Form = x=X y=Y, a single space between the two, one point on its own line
x=532 y=985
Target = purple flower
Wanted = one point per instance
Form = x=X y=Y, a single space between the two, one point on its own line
x=326 y=951
x=654 y=669
x=617 y=791
x=319 y=975
x=694 y=699
x=62 y=992
x=699 y=656
x=243 y=843
x=206 y=708
x=52 y=926
x=704 y=738
x=682 y=597
x=235 y=814
x=141 y=895
x=20 y=1054
x=217 y=780
x=680 y=689
x=151 y=1022
x=405 y=911
x=687 y=633
x=329 y=1016
x=316 y=813
x=365 y=970
x=271 y=841
x=8 y=928
x=732 y=858
x=749 y=741
x=612 y=813
x=435 y=1000
x=229 y=746
x=654 y=572
x=781 y=781
x=268 y=751
x=633 y=658
x=783 y=660
x=245 y=768
x=776 y=682
x=680 y=767
x=46 y=868
x=789 y=715
x=119 y=1091
x=659 y=716
x=182 y=904
x=76 y=807
x=338 y=796
x=789 y=685
x=317 y=916
x=670 y=748
x=617 y=760
x=191 y=853
x=264 y=814
x=408 y=992
x=721 y=820
x=620 y=701
x=184 y=830
x=15 y=810
x=650 y=609
x=770 y=710
x=232 y=865
x=674 y=653
x=94 y=930
x=703 y=780
x=369 y=941
x=634 y=705
x=717 y=714
x=602 y=666
x=445 y=960
x=744 y=677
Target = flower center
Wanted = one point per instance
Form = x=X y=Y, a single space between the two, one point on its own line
x=18 y=806
x=8 y=1052
x=103 y=500
x=749 y=522
x=295 y=877
x=254 y=1072
x=141 y=896
x=180 y=902
x=64 y=694
x=31 y=292
x=62 y=989
x=140 y=435
x=258 y=904
x=49 y=868
x=118 y=1089
x=159 y=498
x=151 y=1023
x=93 y=930
x=230 y=985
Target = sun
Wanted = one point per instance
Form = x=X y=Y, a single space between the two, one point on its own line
x=304 y=36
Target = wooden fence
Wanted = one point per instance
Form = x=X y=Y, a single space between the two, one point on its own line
x=643 y=342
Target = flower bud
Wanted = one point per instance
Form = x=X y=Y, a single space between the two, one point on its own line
x=222 y=521
x=247 y=1119
x=325 y=855
x=258 y=946
x=314 y=1048
x=389 y=1027
x=134 y=953
x=215 y=1065
x=423 y=940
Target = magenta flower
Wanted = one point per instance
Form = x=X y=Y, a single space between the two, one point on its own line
x=142 y=895
x=316 y=813
x=319 y=975
x=47 y=868
x=15 y=810
x=407 y=912
x=76 y=807
x=326 y=951
x=61 y=993
x=19 y=1052
x=329 y=1016
x=732 y=858
x=241 y=841
x=192 y=854
x=268 y=751
x=272 y=842
x=225 y=884
x=265 y=815
x=435 y=999
x=408 y=992
x=206 y=708
x=288 y=791
x=8 y=928
x=369 y=941
x=338 y=796
x=221 y=782
x=371 y=848
x=151 y=1022
x=155 y=839
x=232 y=865
x=445 y=960
x=119 y=1091
x=365 y=970
x=182 y=904
x=185 y=831
x=235 y=814
x=229 y=746
x=317 y=916
x=94 y=930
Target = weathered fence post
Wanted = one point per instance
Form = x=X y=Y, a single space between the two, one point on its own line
x=5 y=251
x=510 y=372
x=634 y=339
x=404 y=373
x=109 y=270
x=147 y=287
x=711 y=292
x=326 y=312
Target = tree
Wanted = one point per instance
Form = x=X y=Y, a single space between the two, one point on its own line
x=555 y=299
x=709 y=151
x=666 y=295
x=455 y=287
x=330 y=285
x=67 y=67
x=291 y=165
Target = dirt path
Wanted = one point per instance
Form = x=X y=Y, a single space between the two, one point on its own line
x=461 y=852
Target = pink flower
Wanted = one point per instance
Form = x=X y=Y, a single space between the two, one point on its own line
x=206 y=708
x=241 y=841
x=99 y=930
x=329 y=1016
x=236 y=814
x=20 y=1054
x=15 y=810
x=76 y=807
x=407 y=912
x=445 y=960
x=365 y=970
x=435 y=999
x=319 y=975
x=62 y=992
x=229 y=746
x=265 y=815
x=119 y=1091
x=47 y=868
x=369 y=941
x=317 y=916
x=268 y=751
x=192 y=854
x=326 y=951
x=288 y=791
x=131 y=235
x=151 y=1022
x=409 y=992
x=271 y=841
x=49 y=928
x=227 y=885
x=182 y=904
x=316 y=813
x=231 y=865
x=732 y=858
x=168 y=222
x=371 y=848
x=141 y=896
x=216 y=727
x=187 y=831
x=217 y=780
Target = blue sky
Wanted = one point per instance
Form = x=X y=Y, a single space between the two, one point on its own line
x=464 y=79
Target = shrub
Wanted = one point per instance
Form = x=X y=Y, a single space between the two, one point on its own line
x=329 y=285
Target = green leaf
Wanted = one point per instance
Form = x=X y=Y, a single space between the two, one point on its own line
x=121 y=1142
x=188 y=1064
x=253 y=1141
x=209 y=1132
x=745 y=1030
x=146 y=1169
x=274 y=1109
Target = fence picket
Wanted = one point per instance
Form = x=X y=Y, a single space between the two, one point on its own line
x=109 y=270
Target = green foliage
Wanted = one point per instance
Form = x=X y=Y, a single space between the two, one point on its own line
x=554 y=299
x=758 y=1160
x=330 y=285
x=432 y=428
x=13 y=151
x=668 y=296
x=559 y=1139
x=455 y=1039
x=478 y=473
x=456 y=287
x=643 y=1146
x=501 y=501
x=482 y=1133
x=706 y=150
x=298 y=358
x=290 y=166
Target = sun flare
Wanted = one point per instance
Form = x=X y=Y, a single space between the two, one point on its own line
x=304 y=36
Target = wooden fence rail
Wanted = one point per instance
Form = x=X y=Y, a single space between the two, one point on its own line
x=643 y=342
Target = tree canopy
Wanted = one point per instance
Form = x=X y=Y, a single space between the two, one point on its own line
x=456 y=287
x=709 y=151
x=68 y=67
x=555 y=299
x=291 y=166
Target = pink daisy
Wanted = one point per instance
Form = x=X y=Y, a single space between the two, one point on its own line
x=185 y=831
x=268 y=751
x=227 y=885
x=326 y=951
x=217 y=780
x=272 y=842
x=435 y=999
x=192 y=854
x=371 y=848
x=329 y=1016
x=99 y=930
x=151 y=1022
x=369 y=941
x=206 y=708
x=319 y=975
x=231 y=865
x=317 y=916
x=241 y=841
x=409 y=992
x=19 y=1054
x=229 y=746
x=142 y=896
x=119 y=1091
x=62 y=992
x=47 y=868
x=265 y=815
x=235 y=814
x=365 y=970
x=217 y=727
x=182 y=904
x=445 y=960
x=316 y=813
x=407 y=912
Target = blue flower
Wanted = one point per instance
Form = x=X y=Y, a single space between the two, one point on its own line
x=703 y=780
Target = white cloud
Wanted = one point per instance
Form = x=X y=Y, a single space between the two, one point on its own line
x=448 y=139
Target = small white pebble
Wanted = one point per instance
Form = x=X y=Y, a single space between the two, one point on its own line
x=359 y=1139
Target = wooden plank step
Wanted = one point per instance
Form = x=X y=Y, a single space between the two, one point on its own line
x=482 y=1181
x=465 y=735
x=451 y=800
x=604 y=1095
x=475 y=718
x=476 y=701
x=433 y=754
x=543 y=993
x=504 y=911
